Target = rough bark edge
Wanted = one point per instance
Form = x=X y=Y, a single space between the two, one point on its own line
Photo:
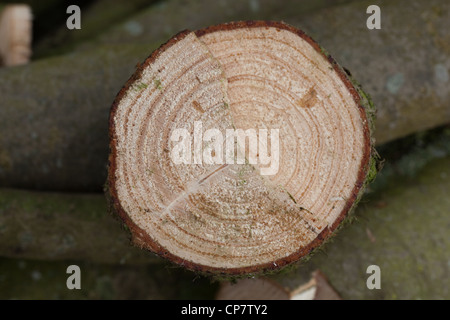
x=110 y=190
x=366 y=173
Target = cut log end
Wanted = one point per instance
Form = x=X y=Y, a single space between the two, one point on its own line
x=238 y=148
x=15 y=34
x=317 y=288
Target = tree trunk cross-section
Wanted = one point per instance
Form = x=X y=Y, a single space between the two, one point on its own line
x=277 y=202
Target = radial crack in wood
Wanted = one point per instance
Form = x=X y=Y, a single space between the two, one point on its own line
x=238 y=148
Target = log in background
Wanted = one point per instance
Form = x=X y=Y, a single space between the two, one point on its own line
x=54 y=112
x=53 y=139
